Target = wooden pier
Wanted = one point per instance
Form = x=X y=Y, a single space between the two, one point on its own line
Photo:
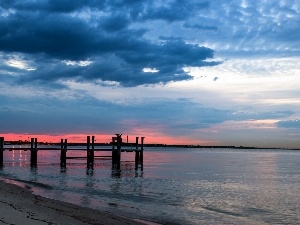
x=116 y=150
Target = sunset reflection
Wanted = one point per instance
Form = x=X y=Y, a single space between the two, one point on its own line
x=151 y=137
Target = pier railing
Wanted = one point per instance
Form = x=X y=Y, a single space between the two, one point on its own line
x=117 y=148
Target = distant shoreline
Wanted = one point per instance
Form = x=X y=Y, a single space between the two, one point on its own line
x=149 y=145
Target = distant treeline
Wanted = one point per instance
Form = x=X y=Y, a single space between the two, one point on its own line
x=20 y=142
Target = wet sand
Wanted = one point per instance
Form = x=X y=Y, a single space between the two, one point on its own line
x=19 y=206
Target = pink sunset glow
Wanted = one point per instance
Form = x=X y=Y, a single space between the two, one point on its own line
x=103 y=138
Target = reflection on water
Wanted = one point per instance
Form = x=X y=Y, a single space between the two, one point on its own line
x=177 y=186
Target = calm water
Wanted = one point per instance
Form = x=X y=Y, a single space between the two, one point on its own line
x=177 y=186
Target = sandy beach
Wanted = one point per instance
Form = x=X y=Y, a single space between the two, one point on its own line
x=19 y=206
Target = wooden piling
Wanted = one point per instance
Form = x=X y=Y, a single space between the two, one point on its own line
x=88 y=152
x=63 y=153
x=1 y=150
x=116 y=153
x=137 y=153
x=142 y=153
x=88 y=139
x=93 y=150
x=33 y=152
x=113 y=152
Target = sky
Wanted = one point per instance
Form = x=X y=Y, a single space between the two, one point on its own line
x=207 y=72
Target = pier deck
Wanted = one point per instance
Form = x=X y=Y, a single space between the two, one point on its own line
x=90 y=148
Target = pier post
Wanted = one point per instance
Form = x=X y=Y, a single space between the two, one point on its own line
x=33 y=152
x=116 y=153
x=137 y=153
x=93 y=151
x=113 y=152
x=142 y=152
x=1 y=151
x=63 y=153
x=88 y=152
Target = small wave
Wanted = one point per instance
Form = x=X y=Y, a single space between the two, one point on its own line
x=222 y=211
x=22 y=183
x=36 y=184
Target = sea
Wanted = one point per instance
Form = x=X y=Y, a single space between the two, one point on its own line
x=177 y=185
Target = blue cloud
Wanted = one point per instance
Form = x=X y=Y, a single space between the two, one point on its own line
x=51 y=31
x=88 y=115
x=256 y=115
x=126 y=66
x=177 y=10
x=289 y=124
x=47 y=33
x=200 y=27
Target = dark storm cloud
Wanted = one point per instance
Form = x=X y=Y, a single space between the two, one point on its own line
x=51 y=5
x=105 y=71
x=126 y=67
x=48 y=29
x=116 y=23
x=54 y=35
x=289 y=124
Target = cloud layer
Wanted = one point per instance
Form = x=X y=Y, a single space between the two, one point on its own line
x=223 y=70
x=289 y=124
x=48 y=33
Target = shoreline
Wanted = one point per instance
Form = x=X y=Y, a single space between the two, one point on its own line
x=19 y=205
